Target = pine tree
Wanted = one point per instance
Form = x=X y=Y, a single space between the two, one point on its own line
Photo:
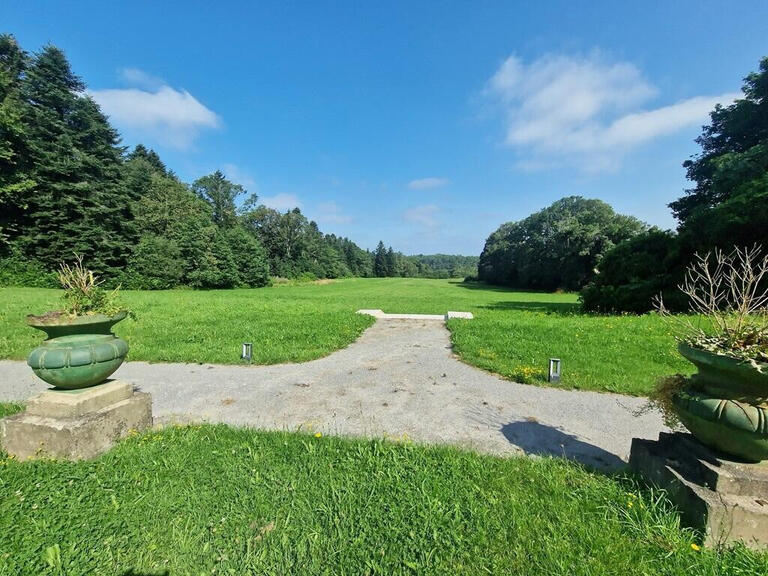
x=380 y=261
x=78 y=203
x=15 y=181
x=391 y=263
x=141 y=152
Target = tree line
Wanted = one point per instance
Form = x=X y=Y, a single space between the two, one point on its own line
x=68 y=186
x=387 y=263
x=620 y=264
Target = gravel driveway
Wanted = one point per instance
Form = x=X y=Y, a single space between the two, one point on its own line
x=399 y=380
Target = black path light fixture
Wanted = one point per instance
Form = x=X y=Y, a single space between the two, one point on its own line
x=247 y=351
x=554 y=370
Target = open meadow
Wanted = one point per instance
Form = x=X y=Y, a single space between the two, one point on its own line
x=513 y=333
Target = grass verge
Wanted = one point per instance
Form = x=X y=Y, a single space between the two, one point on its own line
x=8 y=408
x=513 y=334
x=218 y=500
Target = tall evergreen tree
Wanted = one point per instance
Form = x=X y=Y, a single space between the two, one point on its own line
x=15 y=180
x=380 y=261
x=78 y=202
x=391 y=263
x=141 y=152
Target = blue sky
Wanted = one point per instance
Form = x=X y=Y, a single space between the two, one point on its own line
x=425 y=124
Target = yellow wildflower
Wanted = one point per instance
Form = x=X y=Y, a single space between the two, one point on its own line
x=318 y=434
x=696 y=547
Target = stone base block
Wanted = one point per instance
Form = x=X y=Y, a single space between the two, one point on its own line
x=76 y=424
x=727 y=500
x=450 y=315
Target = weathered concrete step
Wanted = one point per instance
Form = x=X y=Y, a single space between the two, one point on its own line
x=727 y=500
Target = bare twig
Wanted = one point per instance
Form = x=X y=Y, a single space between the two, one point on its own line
x=729 y=293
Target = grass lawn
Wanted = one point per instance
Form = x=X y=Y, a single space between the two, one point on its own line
x=514 y=333
x=218 y=500
x=8 y=408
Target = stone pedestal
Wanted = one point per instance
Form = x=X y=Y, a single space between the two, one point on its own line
x=727 y=500
x=75 y=424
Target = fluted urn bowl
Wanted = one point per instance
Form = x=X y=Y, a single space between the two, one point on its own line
x=726 y=404
x=80 y=351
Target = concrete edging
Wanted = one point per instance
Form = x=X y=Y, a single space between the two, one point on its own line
x=450 y=315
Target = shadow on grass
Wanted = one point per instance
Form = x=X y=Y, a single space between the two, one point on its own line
x=483 y=286
x=537 y=438
x=561 y=308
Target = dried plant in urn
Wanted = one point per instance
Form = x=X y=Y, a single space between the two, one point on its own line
x=725 y=404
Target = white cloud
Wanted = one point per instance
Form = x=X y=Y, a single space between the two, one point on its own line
x=584 y=110
x=281 y=202
x=427 y=183
x=239 y=176
x=425 y=215
x=155 y=110
x=331 y=213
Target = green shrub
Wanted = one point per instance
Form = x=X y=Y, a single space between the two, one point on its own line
x=634 y=272
x=154 y=265
x=251 y=258
x=16 y=270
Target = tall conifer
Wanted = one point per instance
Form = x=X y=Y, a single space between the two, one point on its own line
x=78 y=204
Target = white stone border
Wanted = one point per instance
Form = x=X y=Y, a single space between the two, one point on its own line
x=381 y=315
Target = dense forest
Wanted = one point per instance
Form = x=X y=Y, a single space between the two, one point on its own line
x=620 y=264
x=68 y=186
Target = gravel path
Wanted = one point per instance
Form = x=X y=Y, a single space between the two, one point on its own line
x=398 y=380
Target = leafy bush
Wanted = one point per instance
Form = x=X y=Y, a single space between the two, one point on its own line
x=154 y=265
x=252 y=262
x=15 y=270
x=633 y=273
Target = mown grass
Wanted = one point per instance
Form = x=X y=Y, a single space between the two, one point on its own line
x=514 y=333
x=8 y=408
x=217 y=500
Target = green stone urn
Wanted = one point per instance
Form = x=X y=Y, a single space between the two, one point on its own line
x=79 y=352
x=725 y=405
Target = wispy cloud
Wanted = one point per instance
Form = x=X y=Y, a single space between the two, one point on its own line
x=425 y=215
x=140 y=79
x=427 y=183
x=331 y=213
x=281 y=201
x=155 y=110
x=240 y=176
x=585 y=111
